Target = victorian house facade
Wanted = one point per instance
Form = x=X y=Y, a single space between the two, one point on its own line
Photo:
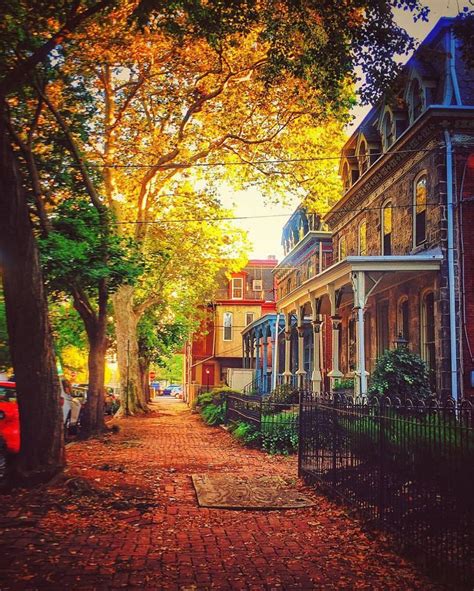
x=241 y=299
x=393 y=260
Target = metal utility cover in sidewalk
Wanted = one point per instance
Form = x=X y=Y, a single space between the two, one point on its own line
x=226 y=491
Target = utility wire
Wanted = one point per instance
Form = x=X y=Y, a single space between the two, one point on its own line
x=184 y=165
x=272 y=215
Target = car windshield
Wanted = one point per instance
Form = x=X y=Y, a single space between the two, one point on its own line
x=7 y=394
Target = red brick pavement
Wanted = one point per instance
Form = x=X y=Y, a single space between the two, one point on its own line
x=125 y=517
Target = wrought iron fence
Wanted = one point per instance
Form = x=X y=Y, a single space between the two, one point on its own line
x=276 y=422
x=408 y=467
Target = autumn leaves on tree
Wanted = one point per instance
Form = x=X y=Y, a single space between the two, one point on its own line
x=120 y=123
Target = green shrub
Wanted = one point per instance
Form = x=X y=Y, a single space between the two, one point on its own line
x=399 y=373
x=344 y=384
x=216 y=396
x=246 y=433
x=284 y=394
x=213 y=414
x=280 y=436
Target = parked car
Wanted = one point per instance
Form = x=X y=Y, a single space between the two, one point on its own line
x=112 y=400
x=177 y=392
x=9 y=424
x=71 y=405
x=168 y=391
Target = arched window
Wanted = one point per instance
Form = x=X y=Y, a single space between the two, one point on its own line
x=387 y=130
x=342 y=248
x=419 y=209
x=363 y=238
x=363 y=157
x=403 y=318
x=416 y=102
x=428 y=349
x=387 y=228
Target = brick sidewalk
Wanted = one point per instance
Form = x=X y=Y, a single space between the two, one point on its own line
x=125 y=516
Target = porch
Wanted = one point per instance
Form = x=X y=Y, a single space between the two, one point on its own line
x=328 y=335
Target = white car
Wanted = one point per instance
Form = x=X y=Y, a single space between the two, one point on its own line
x=71 y=408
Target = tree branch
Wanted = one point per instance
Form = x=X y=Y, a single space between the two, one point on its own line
x=89 y=185
x=15 y=76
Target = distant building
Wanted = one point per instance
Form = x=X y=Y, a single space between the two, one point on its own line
x=240 y=300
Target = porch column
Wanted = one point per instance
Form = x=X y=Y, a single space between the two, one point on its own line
x=245 y=352
x=316 y=377
x=335 y=372
x=265 y=363
x=300 y=372
x=257 y=358
x=251 y=351
x=358 y=285
x=287 y=374
x=276 y=352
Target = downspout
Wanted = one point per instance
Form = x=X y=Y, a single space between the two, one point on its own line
x=452 y=300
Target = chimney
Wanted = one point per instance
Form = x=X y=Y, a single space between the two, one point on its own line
x=271 y=257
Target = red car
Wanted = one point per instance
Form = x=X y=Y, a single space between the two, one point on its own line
x=9 y=424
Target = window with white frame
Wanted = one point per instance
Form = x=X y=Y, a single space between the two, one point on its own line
x=386 y=226
x=227 y=320
x=237 y=288
x=257 y=285
x=420 y=193
x=249 y=316
x=362 y=238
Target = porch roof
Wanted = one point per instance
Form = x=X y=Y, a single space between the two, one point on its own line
x=266 y=322
x=339 y=273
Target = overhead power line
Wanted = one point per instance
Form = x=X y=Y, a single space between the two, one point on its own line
x=183 y=165
x=272 y=215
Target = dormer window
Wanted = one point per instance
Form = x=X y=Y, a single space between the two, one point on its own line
x=387 y=130
x=237 y=288
x=363 y=157
x=416 y=100
x=387 y=228
x=346 y=177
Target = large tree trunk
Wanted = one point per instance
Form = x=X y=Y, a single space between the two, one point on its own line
x=42 y=443
x=92 y=421
x=131 y=397
x=144 y=365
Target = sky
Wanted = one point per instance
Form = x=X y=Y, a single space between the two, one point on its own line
x=265 y=232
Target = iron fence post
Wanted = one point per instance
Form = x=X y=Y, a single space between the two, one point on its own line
x=334 y=440
x=381 y=495
x=300 y=431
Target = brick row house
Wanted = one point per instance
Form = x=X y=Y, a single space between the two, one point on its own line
x=242 y=298
x=393 y=260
